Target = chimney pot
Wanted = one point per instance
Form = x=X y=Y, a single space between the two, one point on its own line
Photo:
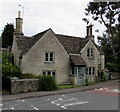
x=89 y=32
x=19 y=14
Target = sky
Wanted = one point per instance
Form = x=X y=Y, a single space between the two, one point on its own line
x=63 y=16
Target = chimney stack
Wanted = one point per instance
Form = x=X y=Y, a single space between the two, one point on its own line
x=89 y=32
x=19 y=25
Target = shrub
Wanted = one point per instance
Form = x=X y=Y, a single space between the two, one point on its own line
x=27 y=76
x=8 y=69
x=112 y=67
x=47 y=83
x=102 y=76
x=86 y=81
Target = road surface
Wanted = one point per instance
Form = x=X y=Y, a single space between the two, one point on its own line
x=105 y=98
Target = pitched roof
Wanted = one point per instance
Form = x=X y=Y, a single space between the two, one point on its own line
x=77 y=60
x=25 y=43
x=70 y=43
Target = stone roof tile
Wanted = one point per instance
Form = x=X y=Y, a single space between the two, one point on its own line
x=77 y=60
x=70 y=43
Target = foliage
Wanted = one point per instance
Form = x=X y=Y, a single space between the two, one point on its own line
x=8 y=69
x=27 y=76
x=112 y=62
x=113 y=66
x=108 y=14
x=102 y=76
x=7 y=35
x=86 y=83
x=47 y=83
x=103 y=12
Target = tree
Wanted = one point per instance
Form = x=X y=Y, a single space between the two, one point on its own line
x=7 y=35
x=108 y=14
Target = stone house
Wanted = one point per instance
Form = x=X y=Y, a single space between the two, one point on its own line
x=67 y=58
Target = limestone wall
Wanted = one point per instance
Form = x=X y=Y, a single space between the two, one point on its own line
x=24 y=85
x=34 y=61
x=115 y=75
x=93 y=61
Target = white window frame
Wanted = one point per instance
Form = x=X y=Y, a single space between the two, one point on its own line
x=90 y=70
x=51 y=72
x=49 y=57
x=76 y=70
x=89 y=52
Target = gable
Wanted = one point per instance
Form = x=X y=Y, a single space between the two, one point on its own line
x=90 y=44
x=47 y=42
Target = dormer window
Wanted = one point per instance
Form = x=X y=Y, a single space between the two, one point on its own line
x=90 y=53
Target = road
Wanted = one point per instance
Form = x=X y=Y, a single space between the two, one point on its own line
x=105 y=98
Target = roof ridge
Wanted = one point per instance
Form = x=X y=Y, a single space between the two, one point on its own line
x=71 y=44
x=69 y=36
x=43 y=32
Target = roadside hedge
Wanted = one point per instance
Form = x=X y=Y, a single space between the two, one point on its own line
x=47 y=83
x=27 y=76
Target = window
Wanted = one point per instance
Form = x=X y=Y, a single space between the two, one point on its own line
x=73 y=71
x=49 y=72
x=90 y=70
x=93 y=71
x=76 y=70
x=90 y=53
x=49 y=57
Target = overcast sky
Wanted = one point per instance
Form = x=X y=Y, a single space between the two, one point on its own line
x=63 y=16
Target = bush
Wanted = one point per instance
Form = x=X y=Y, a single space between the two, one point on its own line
x=86 y=81
x=102 y=76
x=47 y=83
x=27 y=76
x=8 y=69
x=113 y=67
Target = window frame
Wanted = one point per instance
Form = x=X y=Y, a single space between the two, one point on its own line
x=76 y=70
x=90 y=71
x=48 y=58
x=52 y=73
x=90 y=53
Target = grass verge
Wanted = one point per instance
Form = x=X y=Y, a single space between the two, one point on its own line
x=75 y=86
x=69 y=86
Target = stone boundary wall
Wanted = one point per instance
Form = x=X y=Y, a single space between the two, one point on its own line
x=24 y=85
x=115 y=75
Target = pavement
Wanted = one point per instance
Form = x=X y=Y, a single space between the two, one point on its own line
x=62 y=91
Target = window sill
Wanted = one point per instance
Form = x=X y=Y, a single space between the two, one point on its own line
x=91 y=58
x=52 y=62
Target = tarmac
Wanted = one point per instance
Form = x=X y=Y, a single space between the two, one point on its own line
x=62 y=91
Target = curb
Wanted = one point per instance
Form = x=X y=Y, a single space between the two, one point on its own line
x=49 y=93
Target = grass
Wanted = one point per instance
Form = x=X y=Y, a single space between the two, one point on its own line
x=69 y=86
x=92 y=83
x=75 y=86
